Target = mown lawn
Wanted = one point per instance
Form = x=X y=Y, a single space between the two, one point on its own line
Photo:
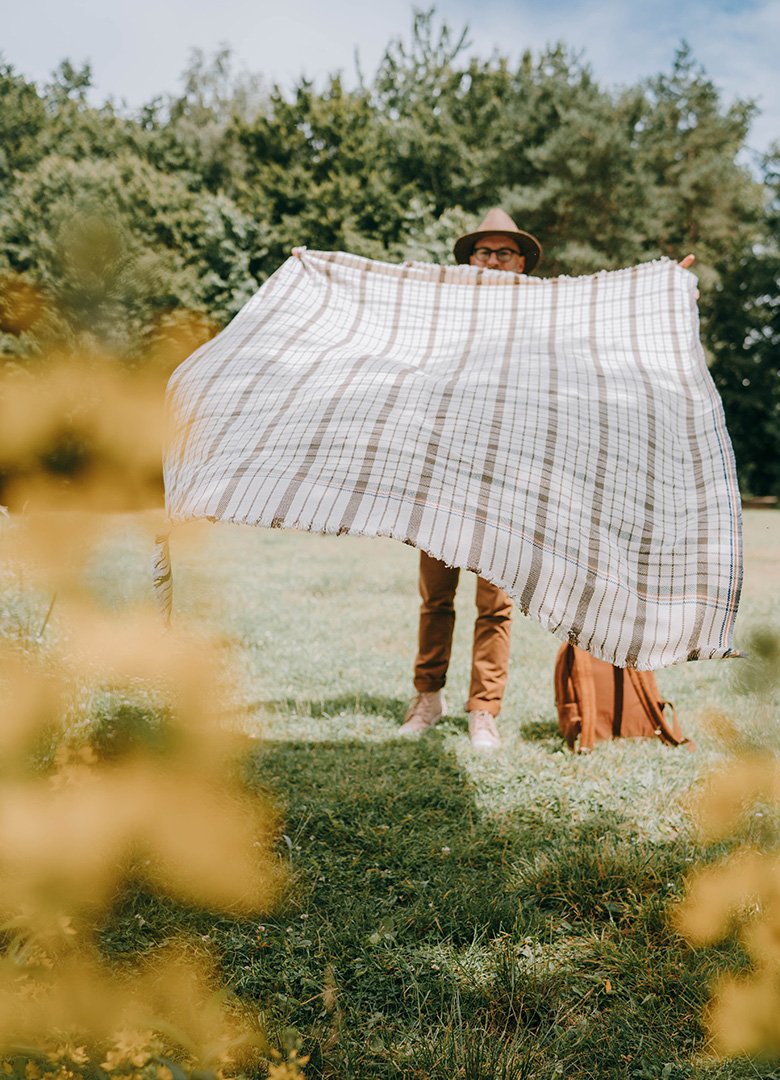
x=450 y=914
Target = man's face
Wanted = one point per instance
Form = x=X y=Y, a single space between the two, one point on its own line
x=498 y=252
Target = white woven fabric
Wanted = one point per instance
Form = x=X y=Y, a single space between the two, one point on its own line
x=561 y=437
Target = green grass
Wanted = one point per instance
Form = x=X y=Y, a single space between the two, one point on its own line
x=450 y=915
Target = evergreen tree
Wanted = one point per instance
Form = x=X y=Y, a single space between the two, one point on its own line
x=701 y=198
x=194 y=133
x=744 y=335
x=22 y=118
x=317 y=170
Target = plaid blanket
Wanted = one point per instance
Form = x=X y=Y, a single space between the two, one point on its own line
x=560 y=437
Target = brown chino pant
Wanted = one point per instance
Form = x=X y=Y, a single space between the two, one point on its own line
x=490 y=654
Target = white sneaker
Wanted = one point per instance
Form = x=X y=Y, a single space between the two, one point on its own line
x=425 y=711
x=483 y=731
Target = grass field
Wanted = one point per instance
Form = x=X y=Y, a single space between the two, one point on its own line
x=450 y=914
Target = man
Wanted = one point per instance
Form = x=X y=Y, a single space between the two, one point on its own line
x=497 y=244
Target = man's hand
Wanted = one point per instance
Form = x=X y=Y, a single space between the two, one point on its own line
x=686 y=264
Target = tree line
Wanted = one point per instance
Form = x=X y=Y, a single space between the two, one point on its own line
x=129 y=235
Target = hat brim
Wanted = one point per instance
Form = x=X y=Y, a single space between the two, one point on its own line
x=529 y=245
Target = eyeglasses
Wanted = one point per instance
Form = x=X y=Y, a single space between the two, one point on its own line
x=504 y=255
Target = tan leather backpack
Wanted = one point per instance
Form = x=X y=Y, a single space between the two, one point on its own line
x=597 y=701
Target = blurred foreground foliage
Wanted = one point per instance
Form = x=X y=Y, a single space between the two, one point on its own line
x=738 y=893
x=120 y=773
x=119 y=228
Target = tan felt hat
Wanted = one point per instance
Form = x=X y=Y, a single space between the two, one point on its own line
x=498 y=222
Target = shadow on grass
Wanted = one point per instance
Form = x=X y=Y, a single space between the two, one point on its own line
x=367 y=704
x=421 y=938
x=389 y=708
x=541 y=731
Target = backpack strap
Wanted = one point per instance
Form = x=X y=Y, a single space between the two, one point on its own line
x=564 y=696
x=682 y=740
x=654 y=706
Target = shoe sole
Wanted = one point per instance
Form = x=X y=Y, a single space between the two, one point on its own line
x=403 y=730
x=484 y=746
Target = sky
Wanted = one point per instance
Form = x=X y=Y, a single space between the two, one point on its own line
x=138 y=49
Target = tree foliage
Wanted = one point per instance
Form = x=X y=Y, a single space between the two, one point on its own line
x=123 y=222
x=114 y=244
x=744 y=335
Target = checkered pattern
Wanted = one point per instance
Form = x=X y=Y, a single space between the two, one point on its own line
x=560 y=437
